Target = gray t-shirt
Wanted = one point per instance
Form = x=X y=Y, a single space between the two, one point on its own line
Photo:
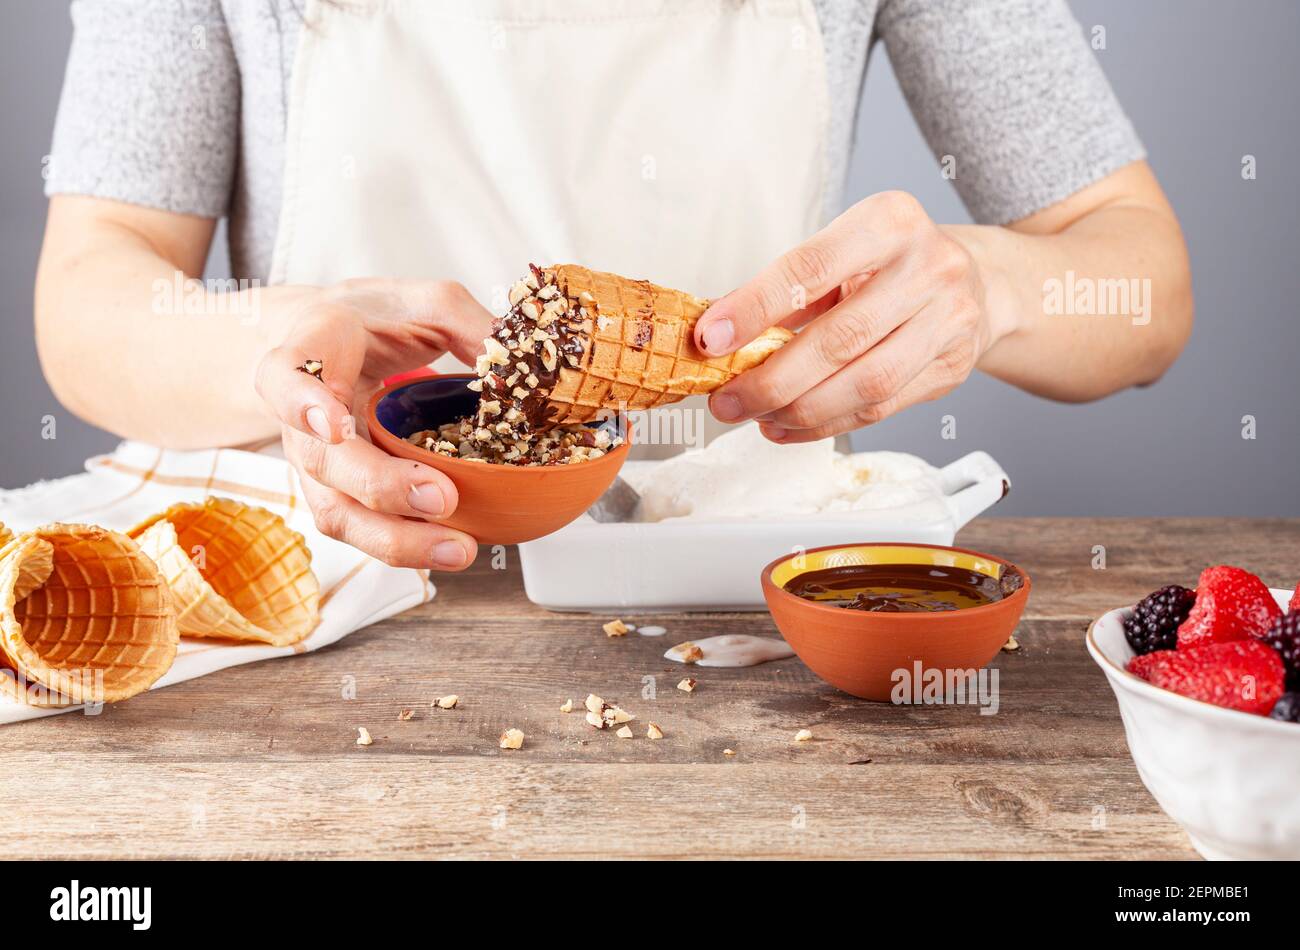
x=181 y=104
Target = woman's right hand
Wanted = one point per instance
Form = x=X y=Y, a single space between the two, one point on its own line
x=362 y=331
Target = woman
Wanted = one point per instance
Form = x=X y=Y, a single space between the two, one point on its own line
x=362 y=149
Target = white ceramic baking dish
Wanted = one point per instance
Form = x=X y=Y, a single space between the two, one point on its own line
x=694 y=565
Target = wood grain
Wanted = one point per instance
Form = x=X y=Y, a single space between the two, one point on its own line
x=261 y=760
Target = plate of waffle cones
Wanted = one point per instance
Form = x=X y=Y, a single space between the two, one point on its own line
x=91 y=615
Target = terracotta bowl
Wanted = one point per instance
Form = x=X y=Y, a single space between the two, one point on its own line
x=859 y=651
x=499 y=504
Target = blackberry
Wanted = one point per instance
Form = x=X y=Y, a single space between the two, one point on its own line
x=1154 y=623
x=1287 y=708
x=1284 y=637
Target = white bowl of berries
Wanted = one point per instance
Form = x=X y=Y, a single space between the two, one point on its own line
x=1208 y=685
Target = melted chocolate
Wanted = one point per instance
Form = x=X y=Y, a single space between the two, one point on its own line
x=902 y=588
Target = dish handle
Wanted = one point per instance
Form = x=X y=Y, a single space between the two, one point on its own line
x=973 y=484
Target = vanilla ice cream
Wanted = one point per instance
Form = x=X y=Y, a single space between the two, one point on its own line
x=743 y=475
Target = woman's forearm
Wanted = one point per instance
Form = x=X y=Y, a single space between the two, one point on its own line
x=127 y=343
x=1098 y=304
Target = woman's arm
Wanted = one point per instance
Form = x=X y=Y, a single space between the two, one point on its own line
x=124 y=350
x=1114 y=248
x=127 y=345
x=897 y=310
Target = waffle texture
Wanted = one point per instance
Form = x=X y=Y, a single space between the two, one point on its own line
x=237 y=572
x=641 y=350
x=85 y=614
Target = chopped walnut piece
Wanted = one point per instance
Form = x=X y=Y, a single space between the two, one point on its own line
x=624 y=733
x=615 y=628
x=597 y=721
x=511 y=739
x=687 y=685
x=594 y=703
x=363 y=736
x=687 y=652
x=405 y=715
x=652 y=731
x=567 y=707
x=803 y=735
x=1011 y=646
x=728 y=752
x=446 y=702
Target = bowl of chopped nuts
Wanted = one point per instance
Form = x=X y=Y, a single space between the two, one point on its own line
x=511 y=488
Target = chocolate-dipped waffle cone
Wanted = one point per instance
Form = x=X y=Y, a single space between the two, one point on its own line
x=237 y=572
x=640 y=350
x=85 y=614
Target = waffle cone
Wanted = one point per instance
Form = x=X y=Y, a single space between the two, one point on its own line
x=237 y=572
x=85 y=614
x=641 y=350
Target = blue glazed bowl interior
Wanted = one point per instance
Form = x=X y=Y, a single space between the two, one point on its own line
x=428 y=403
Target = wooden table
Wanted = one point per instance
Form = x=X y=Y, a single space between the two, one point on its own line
x=261 y=760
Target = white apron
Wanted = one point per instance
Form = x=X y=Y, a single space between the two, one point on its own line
x=680 y=141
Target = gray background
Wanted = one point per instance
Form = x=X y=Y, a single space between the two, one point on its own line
x=1205 y=83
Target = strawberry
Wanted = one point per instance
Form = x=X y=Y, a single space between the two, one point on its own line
x=1231 y=604
x=1295 y=600
x=1239 y=674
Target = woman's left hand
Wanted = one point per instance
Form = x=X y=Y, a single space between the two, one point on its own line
x=892 y=311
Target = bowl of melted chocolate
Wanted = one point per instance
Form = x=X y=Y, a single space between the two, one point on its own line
x=861 y=615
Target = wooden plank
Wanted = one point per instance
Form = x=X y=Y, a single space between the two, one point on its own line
x=413 y=806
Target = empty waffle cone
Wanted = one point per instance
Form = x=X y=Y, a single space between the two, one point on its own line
x=84 y=614
x=640 y=350
x=237 y=572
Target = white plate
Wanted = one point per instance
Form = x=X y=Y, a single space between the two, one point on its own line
x=685 y=565
x=1231 y=779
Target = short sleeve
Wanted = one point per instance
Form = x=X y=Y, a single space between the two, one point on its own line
x=1011 y=90
x=150 y=107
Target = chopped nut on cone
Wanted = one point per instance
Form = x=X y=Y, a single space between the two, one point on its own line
x=803 y=735
x=615 y=628
x=652 y=731
x=687 y=685
x=624 y=733
x=446 y=702
x=567 y=707
x=511 y=739
x=363 y=736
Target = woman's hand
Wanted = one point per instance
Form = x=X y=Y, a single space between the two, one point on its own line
x=892 y=310
x=362 y=331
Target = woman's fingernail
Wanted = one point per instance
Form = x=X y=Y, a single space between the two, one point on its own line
x=726 y=407
x=318 y=422
x=449 y=554
x=718 y=336
x=774 y=433
x=427 y=498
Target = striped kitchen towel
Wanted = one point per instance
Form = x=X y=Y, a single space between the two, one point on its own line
x=119 y=490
